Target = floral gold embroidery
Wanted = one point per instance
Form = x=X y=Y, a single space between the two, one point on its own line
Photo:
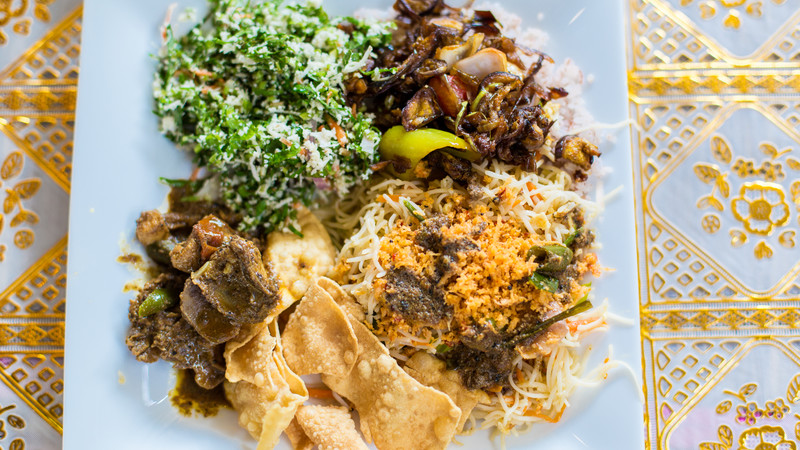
x=13 y=421
x=748 y=414
x=745 y=167
x=776 y=410
x=12 y=12
x=738 y=238
x=765 y=438
x=763 y=250
x=786 y=239
x=793 y=390
x=13 y=207
x=761 y=207
x=733 y=9
x=711 y=223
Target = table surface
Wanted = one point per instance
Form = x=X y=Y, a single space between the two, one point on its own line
x=714 y=94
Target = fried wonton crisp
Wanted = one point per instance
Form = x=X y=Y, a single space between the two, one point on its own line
x=342 y=298
x=297 y=437
x=329 y=427
x=396 y=411
x=318 y=337
x=247 y=356
x=431 y=371
x=260 y=386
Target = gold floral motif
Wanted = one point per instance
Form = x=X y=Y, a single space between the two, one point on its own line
x=793 y=390
x=761 y=207
x=738 y=238
x=724 y=407
x=763 y=250
x=765 y=438
x=23 y=238
x=684 y=77
x=13 y=11
x=14 y=421
x=725 y=436
x=711 y=223
x=710 y=174
x=786 y=239
x=37 y=107
x=15 y=194
x=749 y=413
x=732 y=9
x=776 y=409
x=745 y=167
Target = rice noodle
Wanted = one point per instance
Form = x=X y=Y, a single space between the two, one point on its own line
x=542 y=387
x=537 y=202
x=540 y=200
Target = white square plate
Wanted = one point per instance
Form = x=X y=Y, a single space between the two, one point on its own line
x=120 y=155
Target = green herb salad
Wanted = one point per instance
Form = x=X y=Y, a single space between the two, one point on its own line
x=256 y=92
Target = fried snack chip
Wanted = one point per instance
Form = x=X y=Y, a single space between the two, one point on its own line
x=431 y=371
x=329 y=427
x=297 y=437
x=318 y=337
x=299 y=261
x=341 y=298
x=260 y=386
x=396 y=410
x=248 y=354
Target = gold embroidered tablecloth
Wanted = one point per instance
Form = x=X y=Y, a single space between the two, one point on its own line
x=714 y=92
x=39 y=50
x=715 y=98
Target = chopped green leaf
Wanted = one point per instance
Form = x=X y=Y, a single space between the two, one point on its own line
x=193 y=185
x=544 y=282
x=551 y=258
x=572 y=236
x=443 y=348
x=255 y=90
x=295 y=231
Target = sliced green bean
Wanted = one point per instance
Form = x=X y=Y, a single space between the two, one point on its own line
x=414 y=209
x=580 y=307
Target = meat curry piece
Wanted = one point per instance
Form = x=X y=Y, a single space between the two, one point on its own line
x=222 y=284
x=207 y=236
x=210 y=323
x=151 y=227
x=416 y=299
x=236 y=283
x=167 y=335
